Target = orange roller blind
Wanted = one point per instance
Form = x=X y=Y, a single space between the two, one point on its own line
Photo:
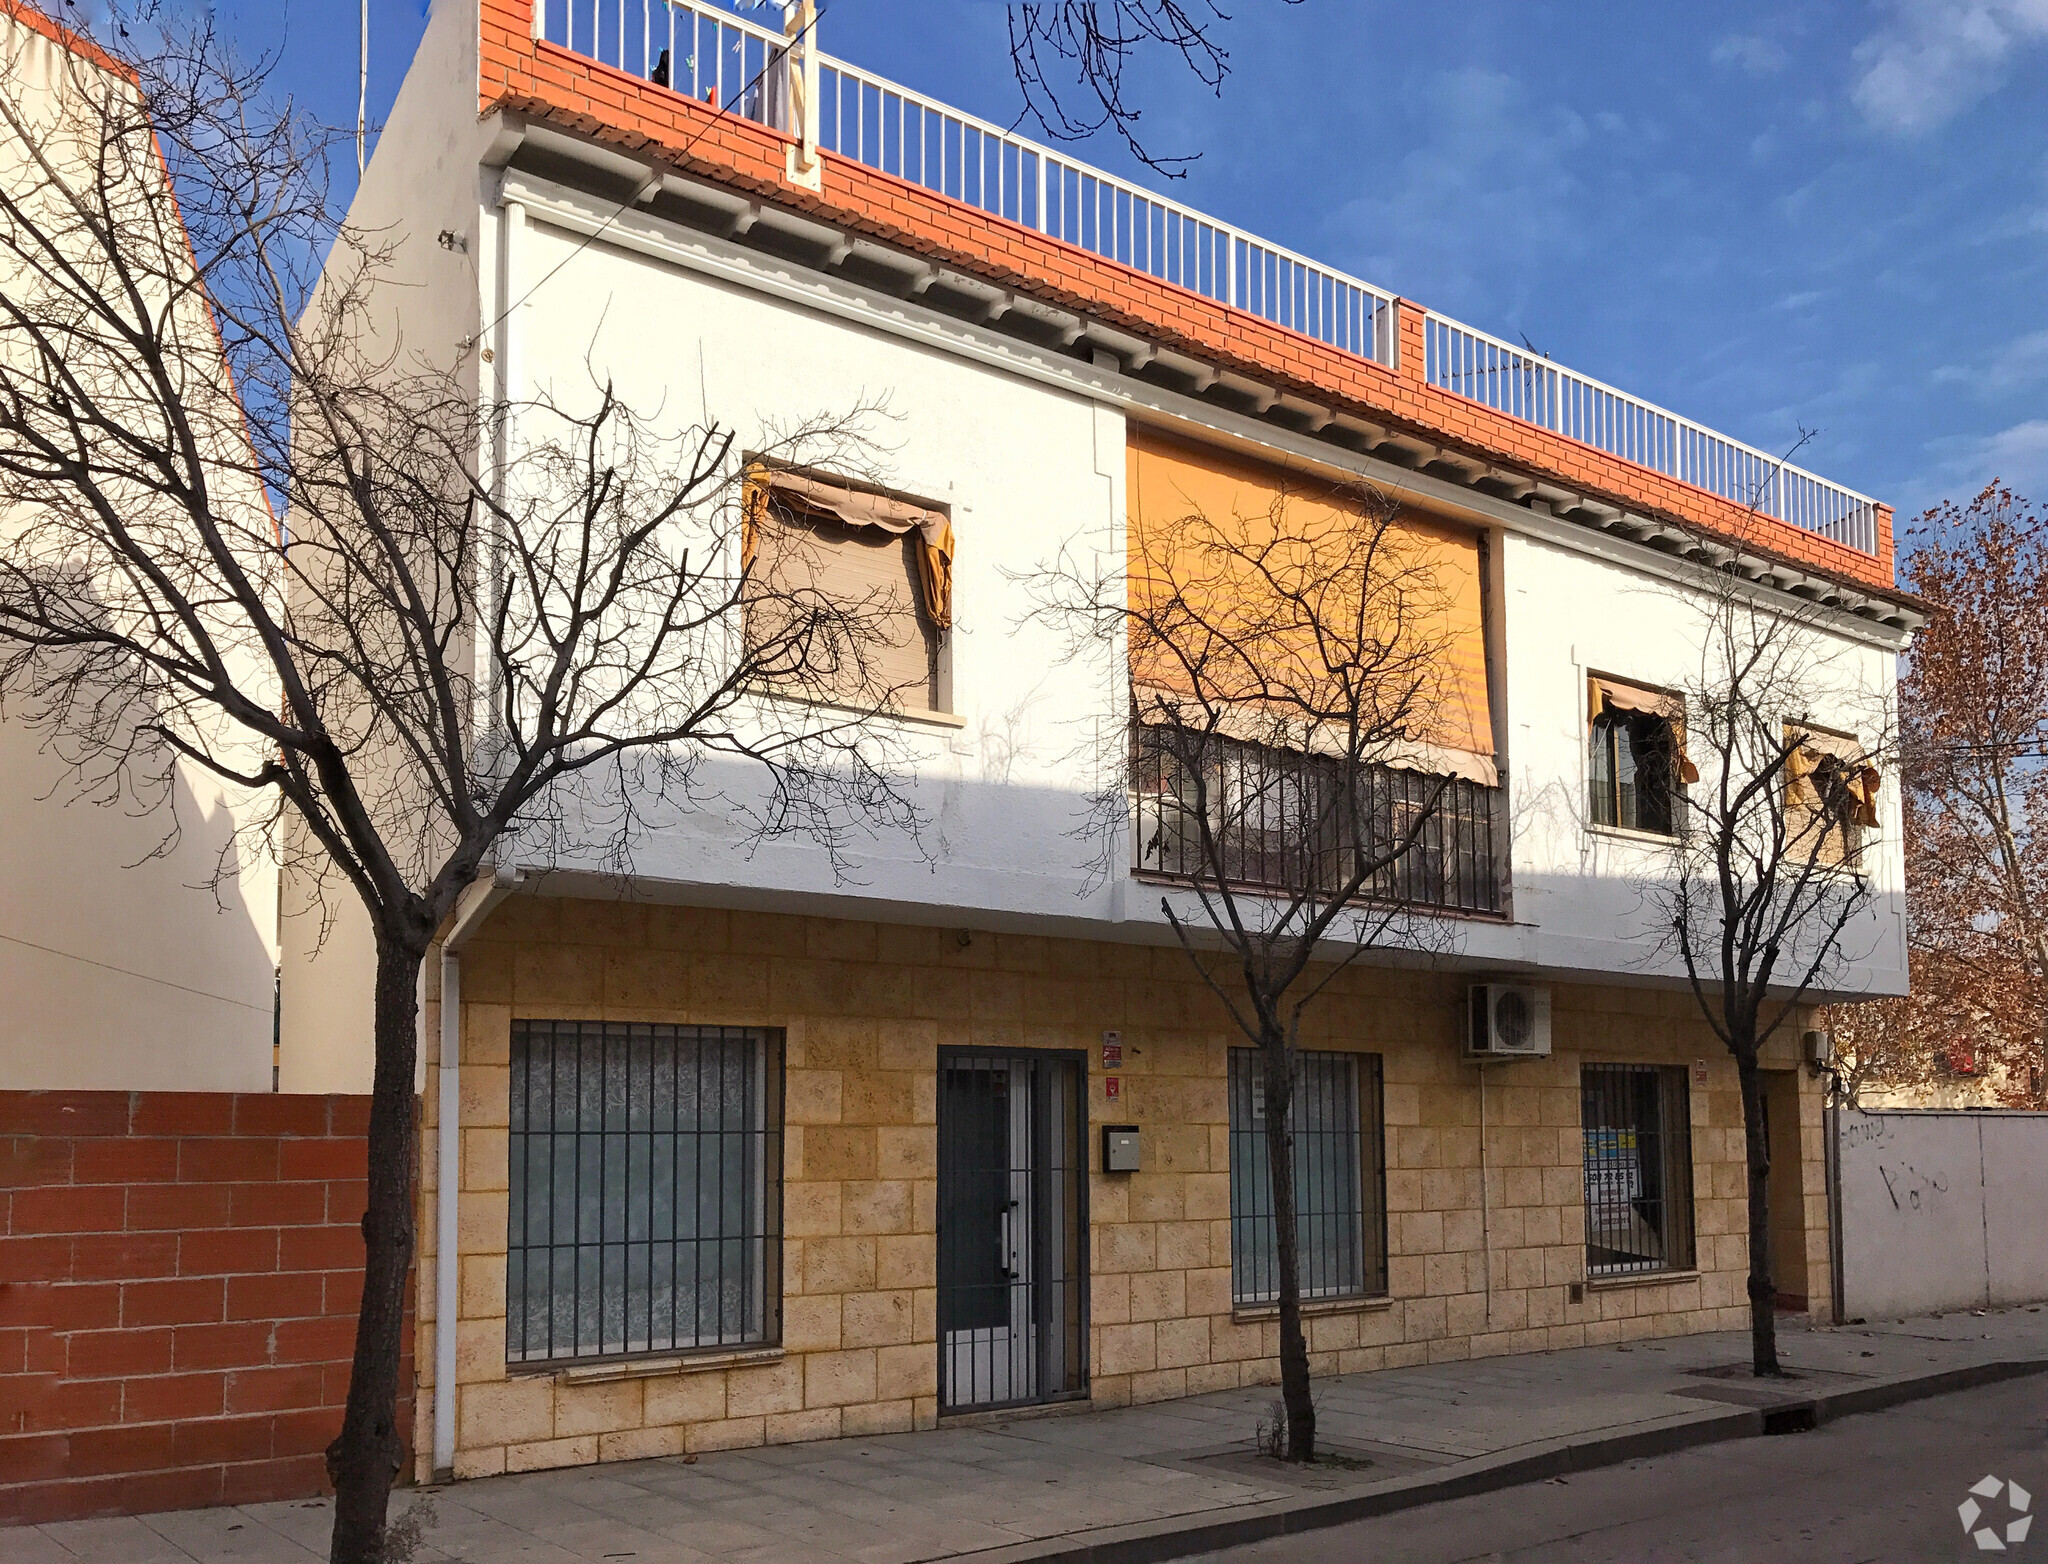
x=1170 y=481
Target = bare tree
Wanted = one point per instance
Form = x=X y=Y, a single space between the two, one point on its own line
x=477 y=629
x=1287 y=689
x=1766 y=879
x=1071 y=58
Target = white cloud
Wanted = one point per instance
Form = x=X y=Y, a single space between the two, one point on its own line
x=1934 y=58
x=2021 y=363
x=2016 y=456
x=1757 y=55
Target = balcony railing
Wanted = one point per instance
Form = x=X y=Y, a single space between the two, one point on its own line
x=696 y=50
x=715 y=57
x=1280 y=825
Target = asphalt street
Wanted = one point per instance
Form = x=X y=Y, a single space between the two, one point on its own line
x=1866 y=1490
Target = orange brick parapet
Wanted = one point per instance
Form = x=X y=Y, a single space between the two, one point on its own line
x=546 y=82
x=179 y=1280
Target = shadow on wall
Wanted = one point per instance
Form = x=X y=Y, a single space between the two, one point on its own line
x=1022 y=849
x=993 y=854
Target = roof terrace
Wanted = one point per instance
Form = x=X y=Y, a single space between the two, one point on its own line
x=703 y=59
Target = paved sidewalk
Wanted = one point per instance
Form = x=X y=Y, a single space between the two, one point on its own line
x=1138 y=1483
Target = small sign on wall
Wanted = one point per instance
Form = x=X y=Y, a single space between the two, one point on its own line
x=1699 y=1072
x=1112 y=1050
x=1112 y=1087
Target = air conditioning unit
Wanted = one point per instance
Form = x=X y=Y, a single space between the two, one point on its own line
x=1509 y=1021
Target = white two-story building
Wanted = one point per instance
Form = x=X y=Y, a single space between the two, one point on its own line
x=744 y=1149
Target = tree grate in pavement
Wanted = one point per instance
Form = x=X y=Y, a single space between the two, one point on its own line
x=1345 y=1464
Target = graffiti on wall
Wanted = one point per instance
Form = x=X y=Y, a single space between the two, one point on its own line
x=1909 y=1187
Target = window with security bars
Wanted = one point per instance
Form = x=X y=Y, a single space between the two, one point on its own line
x=1279 y=822
x=1339 y=1179
x=1636 y=1120
x=646 y=1189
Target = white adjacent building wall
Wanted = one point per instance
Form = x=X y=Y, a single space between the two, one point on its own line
x=126 y=963
x=422 y=196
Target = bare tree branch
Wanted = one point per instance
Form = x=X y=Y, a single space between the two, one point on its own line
x=1768 y=873
x=1280 y=766
x=250 y=533
x=1072 y=58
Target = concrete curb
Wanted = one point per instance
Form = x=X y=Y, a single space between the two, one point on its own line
x=1151 y=1542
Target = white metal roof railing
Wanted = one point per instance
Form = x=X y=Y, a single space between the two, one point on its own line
x=891 y=128
x=715 y=57
x=701 y=52
x=1524 y=385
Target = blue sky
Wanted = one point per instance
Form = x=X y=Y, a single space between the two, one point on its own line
x=1828 y=213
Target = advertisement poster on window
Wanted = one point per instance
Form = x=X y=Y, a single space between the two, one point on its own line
x=1614 y=1168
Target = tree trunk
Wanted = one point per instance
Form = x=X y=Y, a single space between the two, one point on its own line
x=1763 y=1292
x=364 y=1459
x=1294 y=1391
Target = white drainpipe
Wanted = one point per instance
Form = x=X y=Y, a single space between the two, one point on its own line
x=477 y=904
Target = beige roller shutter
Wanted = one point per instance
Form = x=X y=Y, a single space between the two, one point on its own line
x=873 y=574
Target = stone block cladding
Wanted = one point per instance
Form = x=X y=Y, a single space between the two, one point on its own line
x=866 y=1006
x=542 y=80
x=179 y=1279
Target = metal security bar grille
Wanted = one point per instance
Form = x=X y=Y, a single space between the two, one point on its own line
x=1339 y=1179
x=1013 y=1229
x=1638 y=1137
x=1280 y=824
x=646 y=1189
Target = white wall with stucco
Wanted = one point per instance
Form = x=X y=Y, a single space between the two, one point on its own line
x=1942 y=1211
x=1027 y=447
x=420 y=206
x=138 y=924
x=1031 y=468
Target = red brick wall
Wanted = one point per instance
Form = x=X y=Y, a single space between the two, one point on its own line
x=551 y=83
x=179 y=1276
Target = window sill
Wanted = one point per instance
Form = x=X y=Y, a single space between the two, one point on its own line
x=932 y=719
x=1250 y=1313
x=648 y=1368
x=1622 y=833
x=1639 y=1279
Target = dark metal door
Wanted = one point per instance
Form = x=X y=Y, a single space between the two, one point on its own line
x=1013 y=1229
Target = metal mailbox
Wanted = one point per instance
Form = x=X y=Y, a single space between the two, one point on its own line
x=1120 y=1150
